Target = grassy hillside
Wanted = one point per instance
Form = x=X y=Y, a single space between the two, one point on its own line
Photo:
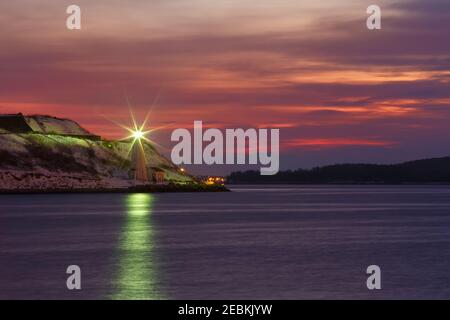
x=41 y=160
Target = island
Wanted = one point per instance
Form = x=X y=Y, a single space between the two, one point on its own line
x=40 y=153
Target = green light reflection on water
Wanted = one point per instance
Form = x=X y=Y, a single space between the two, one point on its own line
x=137 y=275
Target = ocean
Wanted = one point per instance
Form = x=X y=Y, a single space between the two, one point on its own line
x=256 y=242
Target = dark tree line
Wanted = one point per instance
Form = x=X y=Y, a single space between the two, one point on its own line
x=421 y=171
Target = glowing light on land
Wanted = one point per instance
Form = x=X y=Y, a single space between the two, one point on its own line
x=215 y=181
x=138 y=134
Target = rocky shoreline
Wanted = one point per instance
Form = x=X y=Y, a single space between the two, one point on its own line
x=134 y=189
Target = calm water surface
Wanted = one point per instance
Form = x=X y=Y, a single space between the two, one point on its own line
x=265 y=242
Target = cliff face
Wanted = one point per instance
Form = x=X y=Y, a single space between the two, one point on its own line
x=60 y=154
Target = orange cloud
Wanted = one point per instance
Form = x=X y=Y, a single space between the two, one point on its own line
x=322 y=143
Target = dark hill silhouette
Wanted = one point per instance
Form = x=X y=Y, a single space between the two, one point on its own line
x=435 y=170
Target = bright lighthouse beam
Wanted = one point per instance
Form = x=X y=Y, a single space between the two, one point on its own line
x=138 y=134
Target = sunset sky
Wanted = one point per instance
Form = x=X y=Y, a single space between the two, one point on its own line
x=338 y=91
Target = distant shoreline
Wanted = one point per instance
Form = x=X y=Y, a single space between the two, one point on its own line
x=428 y=171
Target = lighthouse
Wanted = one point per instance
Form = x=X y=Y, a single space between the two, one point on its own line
x=139 y=163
